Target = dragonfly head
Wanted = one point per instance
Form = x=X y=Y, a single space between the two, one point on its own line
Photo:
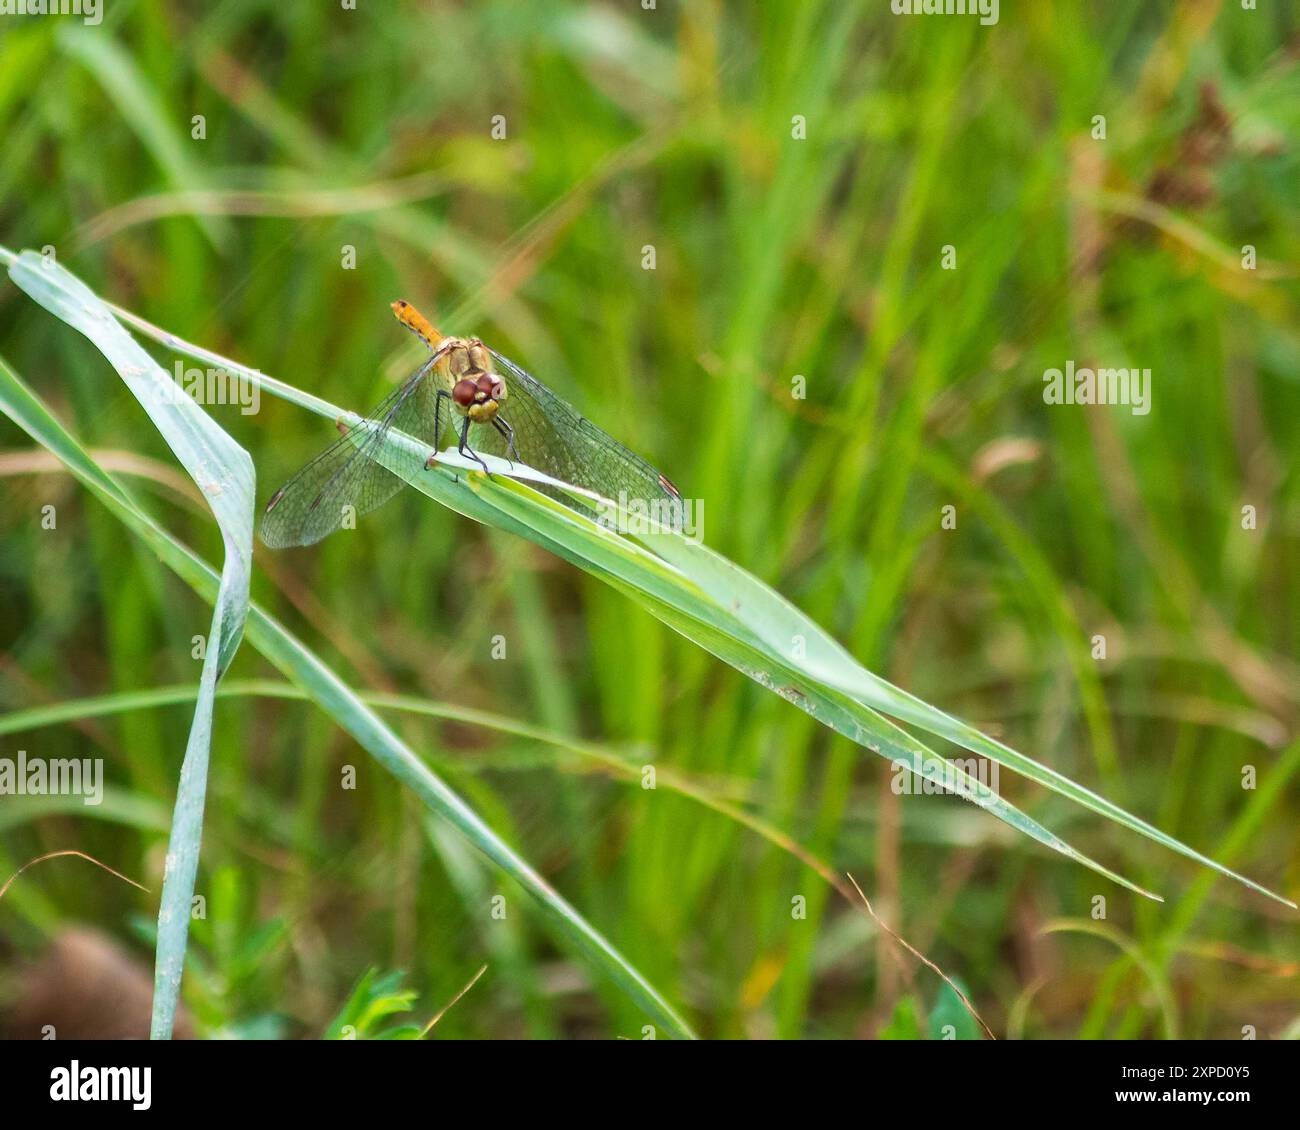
x=478 y=394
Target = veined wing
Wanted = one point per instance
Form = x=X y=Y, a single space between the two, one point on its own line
x=554 y=437
x=344 y=478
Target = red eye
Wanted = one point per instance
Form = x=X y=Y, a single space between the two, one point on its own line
x=463 y=393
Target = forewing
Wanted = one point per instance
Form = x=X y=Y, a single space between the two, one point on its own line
x=554 y=437
x=345 y=479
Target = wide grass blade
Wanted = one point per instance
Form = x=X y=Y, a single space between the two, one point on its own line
x=223 y=472
x=731 y=613
x=832 y=666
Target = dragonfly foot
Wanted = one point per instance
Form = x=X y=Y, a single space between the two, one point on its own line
x=470 y=453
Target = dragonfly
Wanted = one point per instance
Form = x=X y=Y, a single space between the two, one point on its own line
x=491 y=406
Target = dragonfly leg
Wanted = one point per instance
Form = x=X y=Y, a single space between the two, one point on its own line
x=509 y=432
x=468 y=451
x=437 y=424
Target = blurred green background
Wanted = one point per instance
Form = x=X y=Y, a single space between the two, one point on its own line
x=776 y=256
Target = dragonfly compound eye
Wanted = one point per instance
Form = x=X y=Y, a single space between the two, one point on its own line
x=464 y=393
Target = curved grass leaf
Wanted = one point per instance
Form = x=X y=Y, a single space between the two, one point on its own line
x=223 y=472
x=732 y=614
x=833 y=666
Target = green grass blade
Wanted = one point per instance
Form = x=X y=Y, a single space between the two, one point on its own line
x=830 y=664
x=718 y=605
x=223 y=472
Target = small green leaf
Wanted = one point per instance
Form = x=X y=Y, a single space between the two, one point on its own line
x=905 y=1023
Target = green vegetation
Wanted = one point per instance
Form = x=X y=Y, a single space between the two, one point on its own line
x=1110 y=591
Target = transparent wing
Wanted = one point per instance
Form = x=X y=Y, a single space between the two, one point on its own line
x=345 y=479
x=554 y=437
